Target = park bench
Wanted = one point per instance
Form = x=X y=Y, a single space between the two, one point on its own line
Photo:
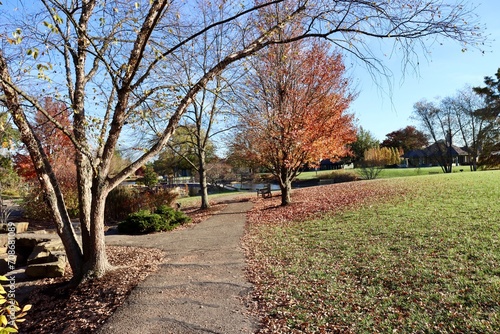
x=265 y=192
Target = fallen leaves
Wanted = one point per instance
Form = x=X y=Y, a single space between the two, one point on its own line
x=58 y=308
x=308 y=202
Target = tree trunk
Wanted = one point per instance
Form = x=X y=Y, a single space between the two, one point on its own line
x=286 y=193
x=286 y=187
x=97 y=263
x=202 y=172
x=474 y=163
x=84 y=181
x=204 y=189
x=55 y=201
x=48 y=181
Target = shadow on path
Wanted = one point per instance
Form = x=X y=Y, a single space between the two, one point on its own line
x=200 y=286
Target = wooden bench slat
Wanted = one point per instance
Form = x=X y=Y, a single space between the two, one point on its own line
x=265 y=192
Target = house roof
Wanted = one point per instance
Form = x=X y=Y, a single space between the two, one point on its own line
x=436 y=149
x=414 y=154
x=439 y=147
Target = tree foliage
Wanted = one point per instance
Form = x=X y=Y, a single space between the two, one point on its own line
x=407 y=139
x=489 y=134
x=177 y=156
x=56 y=145
x=463 y=119
x=9 y=180
x=150 y=178
x=364 y=141
x=299 y=113
x=8 y=134
x=376 y=158
x=473 y=128
x=382 y=156
x=10 y=312
x=210 y=113
x=60 y=153
x=220 y=173
x=111 y=63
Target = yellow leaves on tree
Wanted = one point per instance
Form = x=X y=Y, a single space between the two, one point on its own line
x=382 y=156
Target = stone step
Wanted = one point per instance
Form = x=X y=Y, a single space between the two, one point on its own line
x=21 y=227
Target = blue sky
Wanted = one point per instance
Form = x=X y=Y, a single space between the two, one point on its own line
x=442 y=74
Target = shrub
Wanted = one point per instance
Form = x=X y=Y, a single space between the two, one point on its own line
x=166 y=212
x=143 y=221
x=35 y=207
x=172 y=216
x=181 y=218
x=370 y=172
x=123 y=201
x=339 y=177
x=153 y=199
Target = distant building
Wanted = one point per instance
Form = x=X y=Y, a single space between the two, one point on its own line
x=433 y=154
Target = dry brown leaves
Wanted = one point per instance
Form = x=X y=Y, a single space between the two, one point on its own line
x=308 y=202
x=58 y=308
x=197 y=215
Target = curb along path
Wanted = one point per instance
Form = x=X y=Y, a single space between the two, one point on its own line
x=199 y=285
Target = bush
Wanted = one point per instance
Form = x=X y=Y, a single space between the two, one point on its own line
x=166 y=212
x=35 y=207
x=143 y=221
x=123 y=201
x=153 y=199
x=181 y=218
x=174 y=217
x=370 y=172
x=339 y=177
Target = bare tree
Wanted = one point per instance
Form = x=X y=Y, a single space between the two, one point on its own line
x=471 y=126
x=440 y=123
x=110 y=62
x=457 y=118
x=209 y=114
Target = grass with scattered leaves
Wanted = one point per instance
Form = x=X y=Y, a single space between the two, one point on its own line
x=424 y=259
x=386 y=173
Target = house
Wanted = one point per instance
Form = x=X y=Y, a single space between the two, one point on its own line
x=434 y=155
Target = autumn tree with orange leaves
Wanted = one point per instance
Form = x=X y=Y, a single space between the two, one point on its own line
x=296 y=113
x=61 y=153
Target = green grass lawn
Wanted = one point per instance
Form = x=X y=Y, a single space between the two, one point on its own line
x=385 y=173
x=427 y=261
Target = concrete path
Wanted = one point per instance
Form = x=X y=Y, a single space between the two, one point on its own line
x=199 y=286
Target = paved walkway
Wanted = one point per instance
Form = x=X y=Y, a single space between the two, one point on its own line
x=199 y=286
